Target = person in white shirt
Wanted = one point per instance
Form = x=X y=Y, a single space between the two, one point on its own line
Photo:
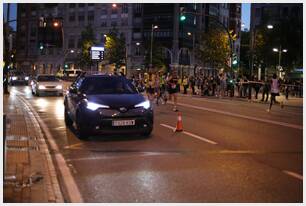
x=274 y=91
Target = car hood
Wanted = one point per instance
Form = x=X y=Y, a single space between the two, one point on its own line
x=117 y=100
x=50 y=83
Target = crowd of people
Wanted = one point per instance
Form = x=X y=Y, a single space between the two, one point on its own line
x=160 y=87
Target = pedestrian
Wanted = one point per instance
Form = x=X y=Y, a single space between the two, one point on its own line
x=150 y=87
x=274 y=91
x=265 y=91
x=185 y=84
x=192 y=84
x=172 y=82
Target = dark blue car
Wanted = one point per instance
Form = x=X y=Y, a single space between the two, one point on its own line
x=107 y=104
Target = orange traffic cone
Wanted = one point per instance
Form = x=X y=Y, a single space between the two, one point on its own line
x=179 y=124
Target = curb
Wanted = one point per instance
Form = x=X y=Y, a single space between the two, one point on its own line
x=54 y=191
x=70 y=186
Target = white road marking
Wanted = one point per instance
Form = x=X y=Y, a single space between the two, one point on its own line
x=295 y=126
x=293 y=174
x=224 y=101
x=191 y=134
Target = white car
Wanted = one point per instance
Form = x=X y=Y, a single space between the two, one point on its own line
x=43 y=84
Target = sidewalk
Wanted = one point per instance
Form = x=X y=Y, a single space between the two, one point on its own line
x=29 y=173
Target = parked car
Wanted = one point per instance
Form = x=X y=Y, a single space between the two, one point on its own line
x=107 y=104
x=46 y=84
x=18 y=77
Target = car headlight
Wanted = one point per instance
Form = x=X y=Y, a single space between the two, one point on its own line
x=59 y=87
x=94 y=106
x=26 y=78
x=14 y=78
x=41 y=87
x=145 y=104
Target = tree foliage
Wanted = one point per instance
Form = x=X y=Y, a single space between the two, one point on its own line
x=158 y=58
x=115 y=48
x=87 y=41
x=214 y=49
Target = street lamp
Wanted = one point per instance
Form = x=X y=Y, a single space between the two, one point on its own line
x=114 y=5
x=280 y=51
x=269 y=26
x=55 y=24
x=152 y=29
x=193 y=43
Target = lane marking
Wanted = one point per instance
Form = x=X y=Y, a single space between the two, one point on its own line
x=70 y=184
x=191 y=134
x=293 y=174
x=295 y=126
x=223 y=101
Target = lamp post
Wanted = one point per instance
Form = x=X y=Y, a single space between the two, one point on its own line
x=193 y=53
x=152 y=29
x=280 y=51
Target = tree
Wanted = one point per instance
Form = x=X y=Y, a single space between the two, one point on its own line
x=214 y=49
x=87 y=41
x=158 y=59
x=115 y=49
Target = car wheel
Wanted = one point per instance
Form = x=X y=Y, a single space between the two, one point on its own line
x=82 y=131
x=68 y=120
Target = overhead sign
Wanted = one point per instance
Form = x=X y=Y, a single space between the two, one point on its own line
x=97 y=53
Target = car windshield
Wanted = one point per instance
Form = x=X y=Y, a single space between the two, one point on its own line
x=107 y=85
x=47 y=79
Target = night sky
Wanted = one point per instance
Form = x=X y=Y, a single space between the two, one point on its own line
x=245 y=14
x=13 y=13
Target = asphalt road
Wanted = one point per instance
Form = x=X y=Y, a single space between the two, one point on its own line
x=230 y=151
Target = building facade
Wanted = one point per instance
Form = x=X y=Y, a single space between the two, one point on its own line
x=134 y=21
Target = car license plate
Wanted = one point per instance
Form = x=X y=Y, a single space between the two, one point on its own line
x=123 y=123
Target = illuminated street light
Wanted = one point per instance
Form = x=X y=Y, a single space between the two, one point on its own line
x=71 y=51
x=137 y=43
x=275 y=49
x=151 y=52
x=105 y=35
x=269 y=26
x=114 y=5
x=285 y=50
x=189 y=33
x=55 y=24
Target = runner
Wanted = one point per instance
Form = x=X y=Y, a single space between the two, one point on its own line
x=274 y=92
x=172 y=89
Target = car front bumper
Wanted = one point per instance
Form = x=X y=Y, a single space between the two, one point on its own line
x=101 y=122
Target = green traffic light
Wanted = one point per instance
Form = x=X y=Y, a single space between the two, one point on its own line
x=183 y=18
x=66 y=66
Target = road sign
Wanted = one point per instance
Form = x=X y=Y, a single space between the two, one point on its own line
x=97 y=53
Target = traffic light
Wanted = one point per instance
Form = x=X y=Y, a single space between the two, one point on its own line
x=182 y=14
x=66 y=66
